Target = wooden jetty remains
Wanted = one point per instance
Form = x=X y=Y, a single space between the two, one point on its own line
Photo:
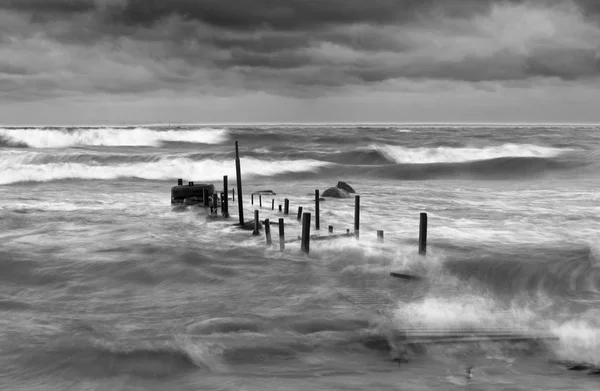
x=206 y=196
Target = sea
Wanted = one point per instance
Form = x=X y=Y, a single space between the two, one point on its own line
x=104 y=285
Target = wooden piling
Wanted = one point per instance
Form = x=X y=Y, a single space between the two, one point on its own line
x=305 y=246
x=348 y=231
x=273 y=204
x=380 y=235
x=233 y=194
x=356 y=216
x=317 y=222
x=260 y=200
x=252 y=199
x=279 y=208
x=281 y=234
x=215 y=202
x=205 y=197
x=179 y=182
x=225 y=198
x=256 y=223
x=238 y=171
x=423 y=234
x=268 y=231
x=299 y=213
x=286 y=208
x=331 y=229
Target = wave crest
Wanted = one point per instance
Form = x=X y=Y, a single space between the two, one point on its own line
x=79 y=137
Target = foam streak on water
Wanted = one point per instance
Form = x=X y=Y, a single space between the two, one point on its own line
x=104 y=286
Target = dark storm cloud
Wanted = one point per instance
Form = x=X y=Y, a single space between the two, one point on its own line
x=292 y=46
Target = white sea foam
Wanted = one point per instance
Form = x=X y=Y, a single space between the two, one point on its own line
x=405 y=155
x=16 y=169
x=62 y=138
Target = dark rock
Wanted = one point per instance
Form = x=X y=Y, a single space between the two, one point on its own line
x=345 y=186
x=336 y=192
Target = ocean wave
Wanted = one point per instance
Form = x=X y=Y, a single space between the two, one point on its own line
x=399 y=154
x=79 y=137
x=14 y=168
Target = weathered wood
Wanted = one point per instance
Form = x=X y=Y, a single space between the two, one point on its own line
x=281 y=234
x=347 y=231
x=305 y=244
x=423 y=234
x=356 y=216
x=252 y=199
x=205 y=197
x=273 y=204
x=380 y=235
x=256 y=224
x=260 y=200
x=233 y=194
x=317 y=221
x=405 y=276
x=180 y=182
x=331 y=229
x=279 y=208
x=214 y=204
x=299 y=213
x=238 y=171
x=286 y=208
x=225 y=198
x=268 y=231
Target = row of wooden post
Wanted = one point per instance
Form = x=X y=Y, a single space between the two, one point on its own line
x=306 y=217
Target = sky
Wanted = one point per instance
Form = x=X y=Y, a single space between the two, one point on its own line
x=298 y=61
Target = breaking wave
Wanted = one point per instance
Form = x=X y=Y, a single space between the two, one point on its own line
x=19 y=170
x=79 y=137
x=403 y=155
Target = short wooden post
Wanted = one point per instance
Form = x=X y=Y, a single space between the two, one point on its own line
x=279 y=208
x=348 y=231
x=268 y=231
x=238 y=172
x=225 y=198
x=380 y=235
x=252 y=198
x=356 y=216
x=286 y=208
x=233 y=194
x=423 y=234
x=281 y=234
x=331 y=229
x=260 y=200
x=215 y=202
x=317 y=220
x=273 y=204
x=205 y=197
x=299 y=213
x=179 y=182
x=305 y=246
x=256 y=222
x=190 y=183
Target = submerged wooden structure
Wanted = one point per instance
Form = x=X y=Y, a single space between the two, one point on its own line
x=205 y=195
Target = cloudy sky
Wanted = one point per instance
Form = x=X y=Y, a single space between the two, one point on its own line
x=231 y=61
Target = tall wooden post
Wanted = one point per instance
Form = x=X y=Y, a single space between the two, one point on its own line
x=356 y=216
x=305 y=246
x=317 y=222
x=273 y=204
x=238 y=171
x=268 y=231
x=299 y=213
x=260 y=200
x=256 y=223
x=280 y=208
x=225 y=198
x=252 y=199
x=233 y=194
x=423 y=234
x=281 y=235
x=286 y=208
